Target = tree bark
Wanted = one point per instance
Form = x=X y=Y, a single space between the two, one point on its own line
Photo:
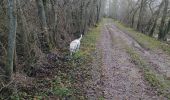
x=161 y=35
x=133 y=17
x=11 y=38
x=98 y=10
x=155 y=19
x=141 y=12
x=44 y=38
x=24 y=29
x=167 y=28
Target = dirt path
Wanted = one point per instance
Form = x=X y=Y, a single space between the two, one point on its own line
x=120 y=78
x=159 y=61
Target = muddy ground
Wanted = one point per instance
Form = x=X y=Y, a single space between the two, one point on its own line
x=116 y=77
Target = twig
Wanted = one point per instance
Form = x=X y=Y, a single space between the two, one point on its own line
x=3 y=47
x=6 y=85
x=3 y=76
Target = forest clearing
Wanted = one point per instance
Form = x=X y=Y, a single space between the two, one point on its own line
x=84 y=50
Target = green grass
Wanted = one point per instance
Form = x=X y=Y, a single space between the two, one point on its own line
x=149 y=75
x=154 y=79
x=83 y=59
x=88 y=46
x=144 y=40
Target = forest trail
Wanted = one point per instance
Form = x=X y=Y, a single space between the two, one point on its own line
x=120 y=78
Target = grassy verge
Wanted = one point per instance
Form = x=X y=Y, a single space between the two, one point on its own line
x=154 y=79
x=85 y=57
x=144 y=40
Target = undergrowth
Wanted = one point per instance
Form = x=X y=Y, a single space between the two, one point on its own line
x=68 y=77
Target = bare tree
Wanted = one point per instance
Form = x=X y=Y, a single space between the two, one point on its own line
x=162 y=26
x=44 y=38
x=11 y=38
x=141 y=13
x=154 y=20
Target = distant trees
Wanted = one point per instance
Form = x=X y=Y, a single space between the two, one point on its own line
x=36 y=27
x=148 y=16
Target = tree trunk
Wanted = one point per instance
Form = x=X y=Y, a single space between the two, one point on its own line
x=161 y=35
x=42 y=14
x=141 y=12
x=11 y=38
x=133 y=18
x=24 y=30
x=44 y=35
x=98 y=11
x=155 y=19
x=167 y=28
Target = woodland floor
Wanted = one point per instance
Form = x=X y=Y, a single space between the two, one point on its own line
x=117 y=75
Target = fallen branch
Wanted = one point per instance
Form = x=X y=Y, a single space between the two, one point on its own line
x=4 y=86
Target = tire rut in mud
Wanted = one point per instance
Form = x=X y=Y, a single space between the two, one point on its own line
x=121 y=78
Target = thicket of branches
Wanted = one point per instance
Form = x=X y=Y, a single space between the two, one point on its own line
x=151 y=17
x=32 y=28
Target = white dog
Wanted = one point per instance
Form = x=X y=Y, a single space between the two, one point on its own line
x=75 y=45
